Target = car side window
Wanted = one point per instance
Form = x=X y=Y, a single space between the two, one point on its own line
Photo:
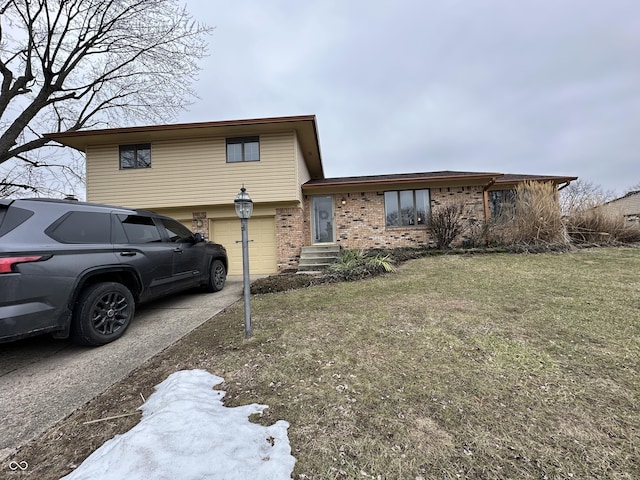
x=139 y=229
x=81 y=227
x=12 y=217
x=176 y=231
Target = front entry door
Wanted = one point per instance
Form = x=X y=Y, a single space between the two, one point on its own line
x=323 y=228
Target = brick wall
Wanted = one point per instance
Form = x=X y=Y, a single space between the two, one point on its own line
x=199 y=223
x=471 y=197
x=290 y=237
x=360 y=223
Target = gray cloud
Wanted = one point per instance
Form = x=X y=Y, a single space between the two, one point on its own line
x=546 y=86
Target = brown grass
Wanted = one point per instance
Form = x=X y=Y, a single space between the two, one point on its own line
x=533 y=219
x=594 y=226
x=488 y=367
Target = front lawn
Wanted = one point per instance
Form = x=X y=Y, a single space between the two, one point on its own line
x=485 y=366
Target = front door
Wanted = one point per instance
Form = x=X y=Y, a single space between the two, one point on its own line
x=323 y=228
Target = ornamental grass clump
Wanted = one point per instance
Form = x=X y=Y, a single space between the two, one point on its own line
x=358 y=264
x=595 y=227
x=533 y=218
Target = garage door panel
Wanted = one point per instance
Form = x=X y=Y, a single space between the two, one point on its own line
x=262 y=244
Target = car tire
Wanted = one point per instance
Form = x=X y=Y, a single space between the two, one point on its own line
x=102 y=314
x=217 y=277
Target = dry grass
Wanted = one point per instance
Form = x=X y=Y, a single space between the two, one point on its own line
x=595 y=226
x=493 y=366
x=534 y=218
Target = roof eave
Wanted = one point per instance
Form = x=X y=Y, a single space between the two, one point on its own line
x=412 y=180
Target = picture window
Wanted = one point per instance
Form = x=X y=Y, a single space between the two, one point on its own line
x=406 y=207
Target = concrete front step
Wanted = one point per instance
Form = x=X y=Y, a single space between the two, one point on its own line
x=315 y=258
x=315 y=249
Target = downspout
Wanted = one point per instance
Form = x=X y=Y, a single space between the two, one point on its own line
x=485 y=198
x=566 y=184
x=487 y=212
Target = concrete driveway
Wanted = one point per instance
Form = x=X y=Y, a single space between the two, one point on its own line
x=42 y=380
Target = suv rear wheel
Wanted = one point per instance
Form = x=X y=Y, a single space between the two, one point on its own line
x=102 y=314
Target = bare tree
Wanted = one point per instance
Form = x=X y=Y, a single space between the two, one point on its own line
x=72 y=64
x=582 y=195
x=634 y=188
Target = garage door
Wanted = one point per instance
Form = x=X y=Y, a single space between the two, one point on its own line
x=262 y=244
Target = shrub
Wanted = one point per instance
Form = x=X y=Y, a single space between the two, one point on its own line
x=445 y=223
x=476 y=234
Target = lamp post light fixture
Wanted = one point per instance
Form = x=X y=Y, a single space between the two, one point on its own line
x=244 y=209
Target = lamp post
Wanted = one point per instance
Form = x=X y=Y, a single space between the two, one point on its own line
x=244 y=209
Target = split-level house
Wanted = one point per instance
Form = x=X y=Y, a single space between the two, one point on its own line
x=194 y=171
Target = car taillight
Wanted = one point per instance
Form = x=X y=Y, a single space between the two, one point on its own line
x=7 y=263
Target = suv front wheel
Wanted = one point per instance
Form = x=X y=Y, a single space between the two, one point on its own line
x=217 y=277
x=102 y=314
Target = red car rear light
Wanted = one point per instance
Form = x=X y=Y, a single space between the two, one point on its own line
x=7 y=263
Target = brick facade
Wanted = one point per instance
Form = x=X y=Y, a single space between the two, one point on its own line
x=290 y=237
x=199 y=223
x=360 y=222
x=472 y=199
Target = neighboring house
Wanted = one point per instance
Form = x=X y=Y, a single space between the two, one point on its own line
x=193 y=172
x=627 y=206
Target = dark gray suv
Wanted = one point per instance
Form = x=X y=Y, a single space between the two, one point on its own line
x=79 y=269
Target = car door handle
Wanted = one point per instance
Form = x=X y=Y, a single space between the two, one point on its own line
x=127 y=254
x=177 y=250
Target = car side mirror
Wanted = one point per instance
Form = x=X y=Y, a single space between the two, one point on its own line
x=198 y=237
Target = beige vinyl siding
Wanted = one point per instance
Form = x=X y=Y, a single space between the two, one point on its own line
x=624 y=206
x=194 y=172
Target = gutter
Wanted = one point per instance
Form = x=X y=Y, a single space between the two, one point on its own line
x=356 y=183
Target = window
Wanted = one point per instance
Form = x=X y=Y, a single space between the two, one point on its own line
x=176 y=231
x=135 y=156
x=10 y=218
x=81 y=227
x=406 y=207
x=140 y=229
x=243 y=149
x=501 y=202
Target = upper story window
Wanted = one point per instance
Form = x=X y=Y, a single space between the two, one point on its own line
x=243 y=149
x=406 y=207
x=135 y=156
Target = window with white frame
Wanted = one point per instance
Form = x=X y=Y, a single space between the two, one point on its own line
x=406 y=207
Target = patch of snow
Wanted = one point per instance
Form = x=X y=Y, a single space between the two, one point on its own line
x=187 y=433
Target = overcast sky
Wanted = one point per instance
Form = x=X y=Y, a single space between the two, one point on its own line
x=514 y=86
